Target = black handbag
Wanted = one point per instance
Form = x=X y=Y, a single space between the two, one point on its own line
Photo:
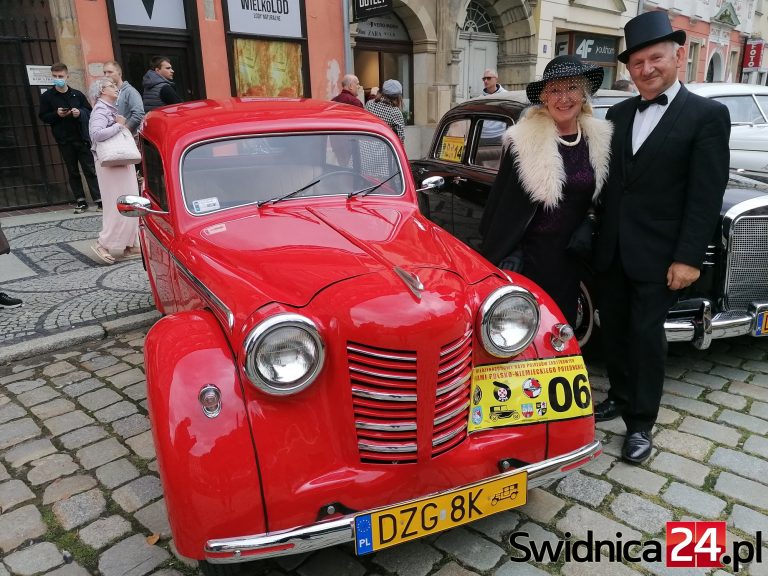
x=4 y=246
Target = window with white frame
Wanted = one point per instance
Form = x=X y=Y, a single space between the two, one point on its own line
x=693 y=61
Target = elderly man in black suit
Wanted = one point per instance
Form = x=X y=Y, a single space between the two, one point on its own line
x=668 y=172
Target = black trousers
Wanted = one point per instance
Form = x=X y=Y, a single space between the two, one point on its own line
x=79 y=152
x=632 y=315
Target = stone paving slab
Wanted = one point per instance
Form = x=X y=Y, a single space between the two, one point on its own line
x=85 y=483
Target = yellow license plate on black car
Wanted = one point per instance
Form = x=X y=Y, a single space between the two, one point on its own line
x=418 y=518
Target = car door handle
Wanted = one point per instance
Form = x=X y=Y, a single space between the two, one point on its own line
x=458 y=180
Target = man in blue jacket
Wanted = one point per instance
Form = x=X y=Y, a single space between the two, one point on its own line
x=67 y=111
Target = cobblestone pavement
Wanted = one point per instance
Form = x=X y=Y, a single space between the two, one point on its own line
x=54 y=271
x=80 y=494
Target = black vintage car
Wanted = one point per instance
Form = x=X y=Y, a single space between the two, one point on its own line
x=729 y=299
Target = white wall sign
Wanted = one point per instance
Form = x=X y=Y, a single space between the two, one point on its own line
x=39 y=75
x=265 y=17
x=155 y=13
x=386 y=27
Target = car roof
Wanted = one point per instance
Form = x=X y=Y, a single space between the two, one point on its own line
x=520 y=97
x=243 y=115
x=710 y=89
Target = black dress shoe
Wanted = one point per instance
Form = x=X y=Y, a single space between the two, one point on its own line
x=637 y=447
x=607 y=410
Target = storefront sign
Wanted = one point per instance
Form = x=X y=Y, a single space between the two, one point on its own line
x=595 y=48
x=753 y=55
x=157 y=13
x=265 y=17
x=369 y=8
x=386 y=27
x=39 y=75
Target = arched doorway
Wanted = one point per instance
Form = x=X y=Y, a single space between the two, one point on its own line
x=478 y=43
x=715 y=72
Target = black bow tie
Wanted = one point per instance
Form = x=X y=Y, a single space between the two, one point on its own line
x=660 y=99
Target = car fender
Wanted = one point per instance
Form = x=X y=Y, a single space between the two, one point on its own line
x=207 y=465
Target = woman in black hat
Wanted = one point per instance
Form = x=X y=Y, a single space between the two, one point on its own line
x=554 y=165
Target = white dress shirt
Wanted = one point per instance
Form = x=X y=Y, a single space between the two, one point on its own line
x=649 y=118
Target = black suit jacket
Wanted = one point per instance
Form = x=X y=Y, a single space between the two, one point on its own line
x=662 y=205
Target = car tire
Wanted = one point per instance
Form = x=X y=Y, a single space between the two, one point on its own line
x=586 y=329
x=208 y=569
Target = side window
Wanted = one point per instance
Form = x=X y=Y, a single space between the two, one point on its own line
x=452 y=141
x=742 y=108
x=763 y=101
x=154 y=179
x=488 y=152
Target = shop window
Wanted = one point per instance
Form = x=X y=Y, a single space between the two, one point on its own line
x=383 y=50
x=268 y=47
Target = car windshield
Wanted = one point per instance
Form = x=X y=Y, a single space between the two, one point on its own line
x=267 y=169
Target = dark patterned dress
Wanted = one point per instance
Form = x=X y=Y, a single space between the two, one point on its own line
x=545 y=259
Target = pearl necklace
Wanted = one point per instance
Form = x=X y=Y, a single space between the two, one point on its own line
x=578 y=138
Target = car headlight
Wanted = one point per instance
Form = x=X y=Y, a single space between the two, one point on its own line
x=509 y=319
x=284 y=354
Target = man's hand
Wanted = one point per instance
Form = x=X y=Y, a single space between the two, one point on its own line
x=61 y=112
x=681 y=276
x=76 y=112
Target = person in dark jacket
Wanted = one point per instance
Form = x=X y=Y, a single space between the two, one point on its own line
x=348 y=95
x=669 y=170
x=553 y=167
x=159 y=89
x=67 y=111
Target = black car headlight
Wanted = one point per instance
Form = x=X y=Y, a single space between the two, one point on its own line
x=284 y=354
x=509 y=319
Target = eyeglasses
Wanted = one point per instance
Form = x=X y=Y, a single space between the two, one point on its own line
x=488 y=77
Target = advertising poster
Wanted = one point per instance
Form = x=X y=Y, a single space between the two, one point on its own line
x=268 y=68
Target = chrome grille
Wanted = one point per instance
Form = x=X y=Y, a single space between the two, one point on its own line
x=384 y=403
x=454 y=379
x=747 y=263
x=384 y=400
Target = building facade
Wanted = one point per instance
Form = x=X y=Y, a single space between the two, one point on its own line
x=437 y=49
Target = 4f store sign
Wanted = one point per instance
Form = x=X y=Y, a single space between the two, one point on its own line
x=369 y=8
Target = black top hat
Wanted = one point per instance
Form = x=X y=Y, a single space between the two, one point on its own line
x=646 y=29
x=565 y=67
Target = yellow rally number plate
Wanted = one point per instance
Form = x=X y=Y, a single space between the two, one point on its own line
x=418 y=518
x=529 y=392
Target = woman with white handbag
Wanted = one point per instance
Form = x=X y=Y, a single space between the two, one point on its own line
x=115 y=153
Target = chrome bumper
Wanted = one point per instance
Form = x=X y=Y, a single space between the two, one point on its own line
x=703 y=327
x=341 y=530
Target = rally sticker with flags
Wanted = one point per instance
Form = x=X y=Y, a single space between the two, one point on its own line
x=530 y=391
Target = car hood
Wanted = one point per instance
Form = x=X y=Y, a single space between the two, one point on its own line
x=288 y=254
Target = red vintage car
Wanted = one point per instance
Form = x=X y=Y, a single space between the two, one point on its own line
x=328 y=358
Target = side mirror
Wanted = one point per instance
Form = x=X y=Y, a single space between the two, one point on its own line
x=135 y=206
x=433 y=182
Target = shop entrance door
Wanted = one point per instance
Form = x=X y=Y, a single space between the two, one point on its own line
x=137 y=50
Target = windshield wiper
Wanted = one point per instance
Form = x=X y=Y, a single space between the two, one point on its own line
x=370 y=189
x=285 y=196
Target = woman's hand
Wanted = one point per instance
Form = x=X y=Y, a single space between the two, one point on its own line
x=120 y=119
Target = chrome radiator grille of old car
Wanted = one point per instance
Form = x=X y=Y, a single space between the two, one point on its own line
x=747 y=263
x=385 y=398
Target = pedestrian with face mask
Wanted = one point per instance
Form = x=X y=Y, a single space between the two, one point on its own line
x=67 y=111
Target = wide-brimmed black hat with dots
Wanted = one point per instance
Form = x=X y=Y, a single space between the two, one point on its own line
x=565 y=67
x=647 y=29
